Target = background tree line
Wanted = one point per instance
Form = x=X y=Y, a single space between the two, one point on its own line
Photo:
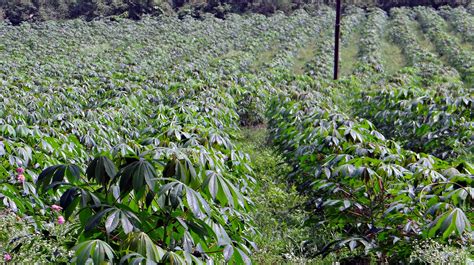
x=17 y=11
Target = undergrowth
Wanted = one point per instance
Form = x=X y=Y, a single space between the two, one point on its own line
x=279 y=213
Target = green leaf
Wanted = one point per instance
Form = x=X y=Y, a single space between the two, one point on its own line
x=127 y=226
x=112 y=221
x=96 y=250
x=102 y=170
x=228 y=252
x=137 y=173
x=95 y=220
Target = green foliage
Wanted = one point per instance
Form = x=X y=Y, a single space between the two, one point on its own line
x=460 y=19
x=27 y=243
x=372 y=34
x=446 y=45
x=427 y=108
x=182 y=187
x=433 y=119
x=280 y=205
x=18 y=11
x=432 y=252
x=375 y=193
x=171 y=162
x=132 y=128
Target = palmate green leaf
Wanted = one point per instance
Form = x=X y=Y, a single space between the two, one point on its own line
x=346 y=170
x=196 y=202
x=241 y=257
x=142 y=244
x=96 y=250
x=219 y=187
x=123 y=150
x=112 y=221
x=127 y=226
x=220 y=232
x=458 y=196
x=454 y=221
x=95 y=220
x=11 y=199
x=394 y=206
x=136 y=174
x=126 y=218
x=199 y=228
x=172 y=258
x=101 y=170
x=353 y=242
x=69 y=201
x=135 y=259
x=191 y=259
x=224 y=193
x=211 y=183
x=171 y=194
x=25 y=153
x=56 y=174
x=7 y=129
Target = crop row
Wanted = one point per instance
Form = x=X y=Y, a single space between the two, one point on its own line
x=160 y=135
x=402 y=34
x=461 y=20
x=374 y=193
x=131 y=133
x=372 y=33
x=448 y=46
x=129 y=127
x=427 y=108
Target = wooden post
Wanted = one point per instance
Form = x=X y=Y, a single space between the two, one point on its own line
x=337 y=37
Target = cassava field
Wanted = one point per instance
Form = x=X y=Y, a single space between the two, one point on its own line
x=213 y=141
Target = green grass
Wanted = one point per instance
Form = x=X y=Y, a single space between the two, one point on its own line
x=265 y=56
x=272 y=200
x=393 y=58
x=422 y=39
x=467 y=46
x=279 y=214
x=457 y=35
x=349 y=54
x=305 y=54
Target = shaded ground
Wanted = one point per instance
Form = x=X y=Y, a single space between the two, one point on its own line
x=393 y=58
x=350 y=53
x=278 y=214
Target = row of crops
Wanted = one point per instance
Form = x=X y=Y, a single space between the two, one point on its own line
x=126 y=134
x=371 y=147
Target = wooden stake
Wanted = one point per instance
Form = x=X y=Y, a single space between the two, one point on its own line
x=337 y=37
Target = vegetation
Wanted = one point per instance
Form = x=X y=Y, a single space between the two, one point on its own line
x=17 y=11
x=185 y=140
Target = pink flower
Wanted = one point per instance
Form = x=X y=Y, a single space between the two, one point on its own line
x=7 y=257
x=56 y=208
x=21 y=178
x=61 y=220
x=20 y=170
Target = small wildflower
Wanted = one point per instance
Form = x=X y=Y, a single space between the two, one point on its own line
x=61 y=220
x=7 y=257
x=21 y=178
x=20 y=170
x=56 y=208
